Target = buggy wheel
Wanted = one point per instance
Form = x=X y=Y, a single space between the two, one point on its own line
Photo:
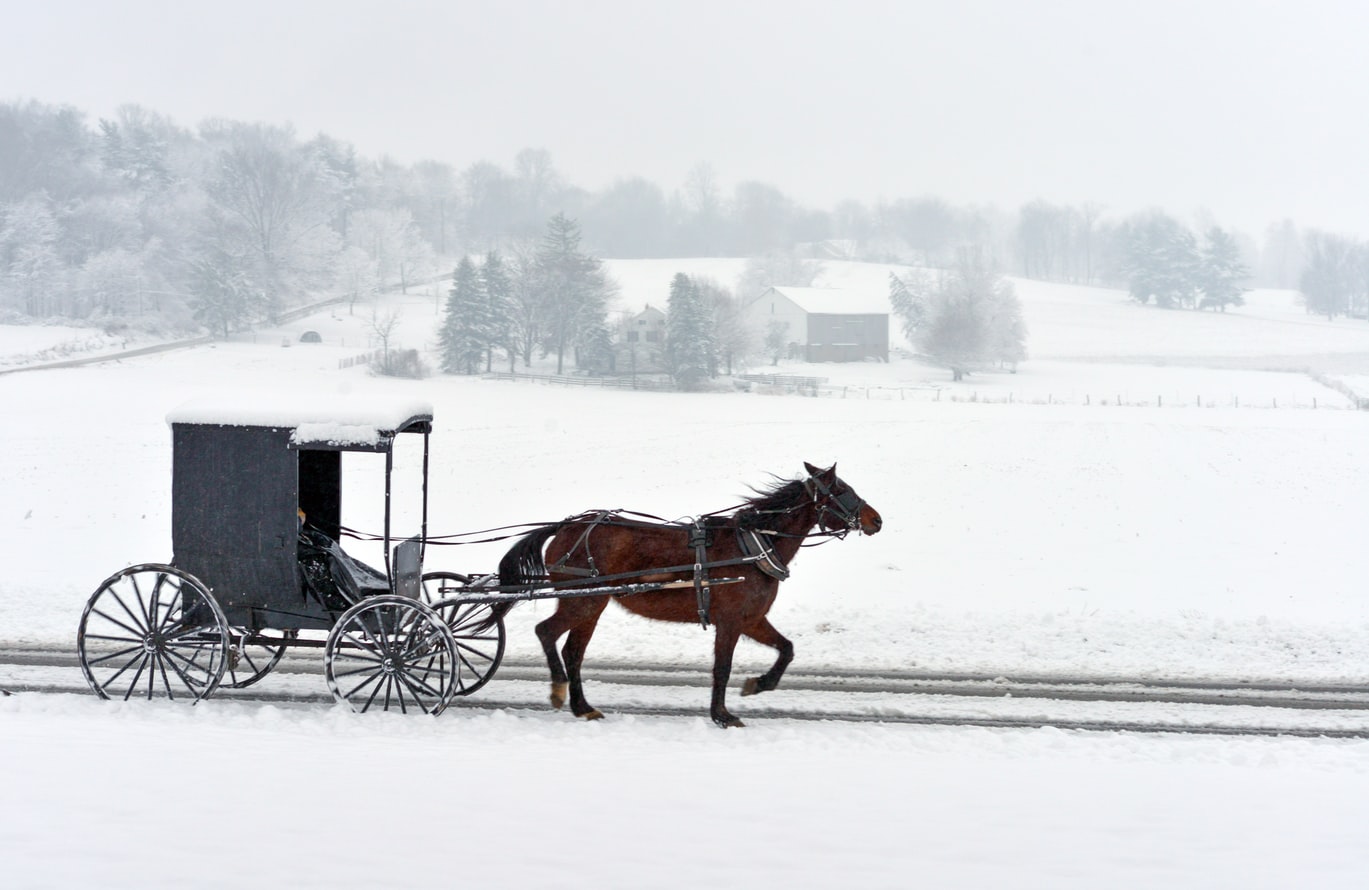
x=391 y=652
x=478 y=634
x=153 y=631
x=249 y=661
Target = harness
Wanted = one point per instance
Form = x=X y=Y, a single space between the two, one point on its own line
x=757 y=546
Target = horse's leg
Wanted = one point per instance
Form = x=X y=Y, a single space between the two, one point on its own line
x=725 y=636
x=574 y=654
x=762 y=631
x=548 y=632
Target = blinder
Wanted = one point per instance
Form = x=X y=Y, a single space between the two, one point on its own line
x=845 y=506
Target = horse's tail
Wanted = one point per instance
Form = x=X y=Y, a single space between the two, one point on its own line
x=523 y=566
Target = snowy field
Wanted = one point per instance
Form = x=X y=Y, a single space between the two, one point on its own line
x=1023 y=537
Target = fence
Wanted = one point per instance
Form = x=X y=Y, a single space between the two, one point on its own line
x=364 y=359
x=1116 y=399
x=639 y=383
x=819 y=387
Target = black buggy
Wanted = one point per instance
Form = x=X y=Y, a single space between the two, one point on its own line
x=257 y=568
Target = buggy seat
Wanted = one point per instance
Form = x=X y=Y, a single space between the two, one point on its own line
x=334 y=577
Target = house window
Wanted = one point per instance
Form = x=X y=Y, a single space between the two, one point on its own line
x=653 y=336
x=632 y=336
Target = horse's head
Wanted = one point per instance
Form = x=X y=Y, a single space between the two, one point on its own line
x=840 y=509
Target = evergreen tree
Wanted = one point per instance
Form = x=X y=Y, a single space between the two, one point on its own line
x=575 y=290
x=497 y=286
x=1221 y=271
x=689 y=334
x=1163 y=262
x=908 y=299
x=463 y=336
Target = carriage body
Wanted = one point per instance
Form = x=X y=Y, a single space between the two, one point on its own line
x=244 y=477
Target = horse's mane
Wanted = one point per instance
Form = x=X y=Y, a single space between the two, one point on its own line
x=780 y=496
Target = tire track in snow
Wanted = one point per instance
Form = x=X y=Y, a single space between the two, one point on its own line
x=843 y=695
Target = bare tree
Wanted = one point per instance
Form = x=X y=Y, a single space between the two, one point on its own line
x=383 y=324
x=271 y=207
x=778 y=268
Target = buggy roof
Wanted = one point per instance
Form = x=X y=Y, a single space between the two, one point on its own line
x=363 y=422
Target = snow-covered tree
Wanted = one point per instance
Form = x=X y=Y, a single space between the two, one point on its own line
x=963 y=316
x=733 y=337
x=392 y=240
x=575 y=290
x=271 y=207
x=358 y=277
x=30 y=263
x=497 y=286
x=1221 y=271
x=1330 y=275
x=777 y=268
x=1162 y=262
x=776 y=340
x=689 y=334
x=224 y=296
x=465 y=326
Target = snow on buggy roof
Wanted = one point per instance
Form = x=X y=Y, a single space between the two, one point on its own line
x=339 y=421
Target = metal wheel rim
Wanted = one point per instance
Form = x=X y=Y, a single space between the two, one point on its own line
x=158 y=630
x=391 y=653
x=479 y=650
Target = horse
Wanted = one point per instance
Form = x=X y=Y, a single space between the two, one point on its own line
x=751 y=546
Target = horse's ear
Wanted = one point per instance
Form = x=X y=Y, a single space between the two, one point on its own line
x=812 y=470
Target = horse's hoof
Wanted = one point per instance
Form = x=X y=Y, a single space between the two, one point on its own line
x=595 y=714
x=558 y=694
x=752 y=686
x=728 y=721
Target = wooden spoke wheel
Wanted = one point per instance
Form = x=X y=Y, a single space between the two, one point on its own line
x=479 y=636
x=391 y=652
x=249 y=660
x=153 y=631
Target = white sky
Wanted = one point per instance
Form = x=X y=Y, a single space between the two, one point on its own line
x=1251 y=110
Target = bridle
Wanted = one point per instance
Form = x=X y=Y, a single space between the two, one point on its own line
x=845 y=506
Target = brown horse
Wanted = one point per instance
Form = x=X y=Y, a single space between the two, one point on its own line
x=747 y=551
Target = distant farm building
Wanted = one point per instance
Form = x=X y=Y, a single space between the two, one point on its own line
x=825 y=324
x=639 y=346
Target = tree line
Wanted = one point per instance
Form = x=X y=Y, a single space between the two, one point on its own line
x=554 y=301
x=554 y=298
x=135 y=217
x=1167 y=263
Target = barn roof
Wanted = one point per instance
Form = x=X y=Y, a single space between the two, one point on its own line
x=836 y=301
x=332 y=420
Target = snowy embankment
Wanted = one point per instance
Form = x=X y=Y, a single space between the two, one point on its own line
x=1019 y=538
